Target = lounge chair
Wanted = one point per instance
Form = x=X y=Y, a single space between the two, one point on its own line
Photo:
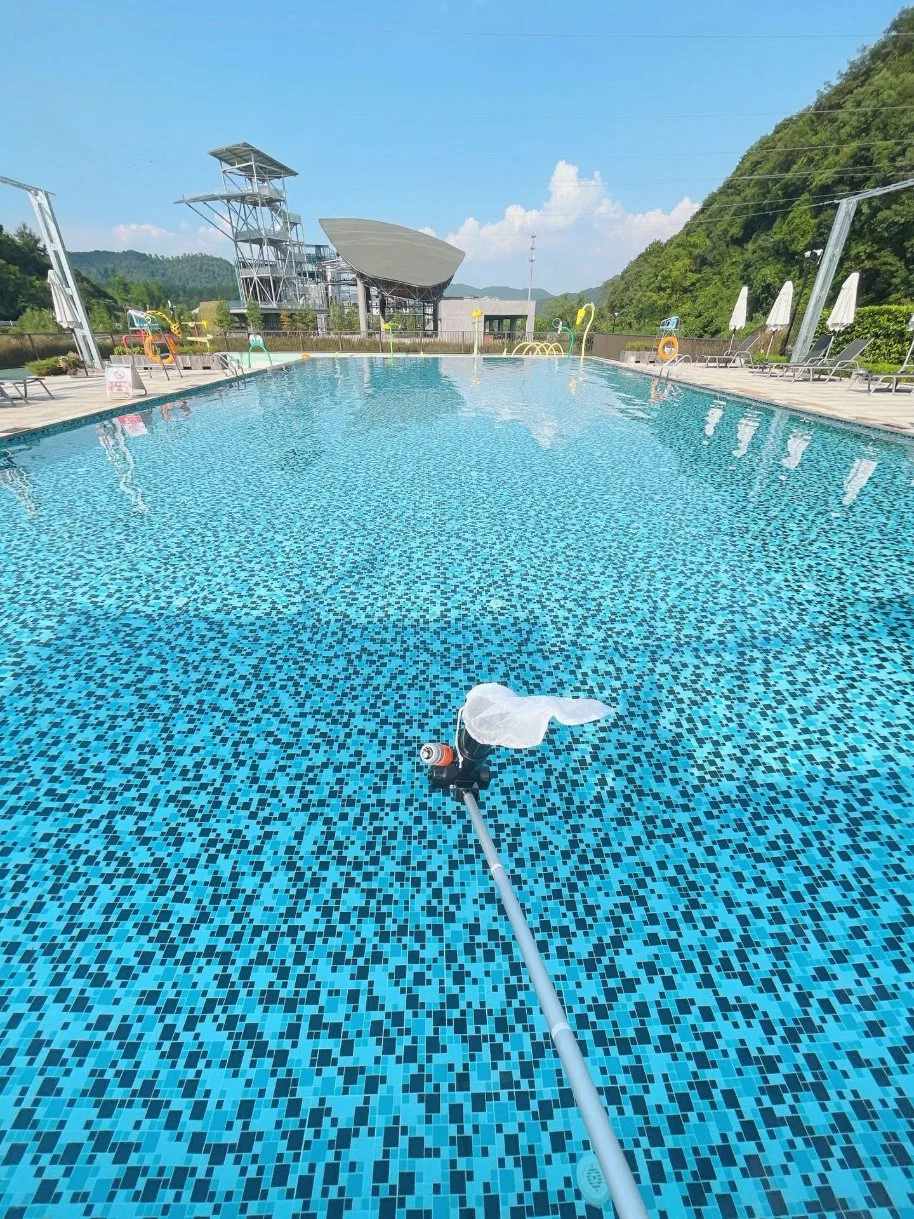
x=732 y=359
x=20 y=380
x=845 y=361
x=893 y=381
x=816 y=354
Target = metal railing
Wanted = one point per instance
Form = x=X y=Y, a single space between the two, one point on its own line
x=18 y=349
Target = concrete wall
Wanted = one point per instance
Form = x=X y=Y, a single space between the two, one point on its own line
x=455 y=314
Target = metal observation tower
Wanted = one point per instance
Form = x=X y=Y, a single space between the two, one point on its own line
x=272 y=262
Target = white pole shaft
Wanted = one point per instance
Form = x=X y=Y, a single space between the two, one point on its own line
x=824 y=276
x=611 y=1158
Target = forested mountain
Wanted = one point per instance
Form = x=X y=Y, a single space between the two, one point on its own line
x=184 y=279
x=24 y=270
x=498 y=292
x=859 y=133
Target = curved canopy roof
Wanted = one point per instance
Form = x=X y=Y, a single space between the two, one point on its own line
x=381 y=251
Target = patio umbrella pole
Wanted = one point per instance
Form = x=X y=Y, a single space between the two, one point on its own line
x=611 y=1158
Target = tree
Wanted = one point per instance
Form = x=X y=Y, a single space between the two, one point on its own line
x=30 y=242
x=100 y=317
x=305 y=319
x=286 y=320
x=223 y=316
x=37 y=321
x=255 y=316
x=343 y=320
x=119 y=288
x=754 y=228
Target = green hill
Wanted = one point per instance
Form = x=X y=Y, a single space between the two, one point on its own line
x=184 y=279
x=754 y=229
x=24 y=270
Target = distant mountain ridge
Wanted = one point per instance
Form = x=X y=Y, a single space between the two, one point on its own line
x=498 y=292
x=186 y=278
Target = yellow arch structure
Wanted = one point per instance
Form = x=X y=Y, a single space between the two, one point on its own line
x=535 y=348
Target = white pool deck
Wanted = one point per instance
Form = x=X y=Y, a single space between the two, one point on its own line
x=79 y=399
x=847 y=401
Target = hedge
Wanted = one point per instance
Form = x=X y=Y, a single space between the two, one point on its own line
x=886 y=325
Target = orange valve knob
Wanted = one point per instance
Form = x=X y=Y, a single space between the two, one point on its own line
x=436 y=754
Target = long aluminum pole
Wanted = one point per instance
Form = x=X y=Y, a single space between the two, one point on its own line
x=827 y=268
x=611 y=1158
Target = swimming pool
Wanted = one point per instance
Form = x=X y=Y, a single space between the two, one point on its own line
x=252 y=968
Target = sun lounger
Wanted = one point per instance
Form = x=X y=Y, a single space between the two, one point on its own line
x=20 y=380
x=816 y=354
x=731 y=359
x=845 y=361
x=892 y=381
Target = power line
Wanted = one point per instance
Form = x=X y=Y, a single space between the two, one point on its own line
x=413 y=31
x=589 y=184
x=784 y=205
x=697 y=152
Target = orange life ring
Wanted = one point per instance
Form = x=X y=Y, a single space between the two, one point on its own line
x=149 y=346
x=668 y=347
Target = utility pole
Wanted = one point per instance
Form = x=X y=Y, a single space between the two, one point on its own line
x=531 y=259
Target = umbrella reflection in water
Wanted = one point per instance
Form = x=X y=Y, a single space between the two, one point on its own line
x=745 y=430
x=713 y=417
x=797 y=444
x=858 y=476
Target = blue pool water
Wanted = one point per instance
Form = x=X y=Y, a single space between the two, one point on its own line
x=250 y=967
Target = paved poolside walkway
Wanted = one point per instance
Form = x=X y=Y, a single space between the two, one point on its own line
x=835 y=400
x=82 y=398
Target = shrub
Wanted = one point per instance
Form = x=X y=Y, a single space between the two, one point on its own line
x=50 y=367
x=886 y=325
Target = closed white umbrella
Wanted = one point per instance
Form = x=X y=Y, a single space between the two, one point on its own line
x=779 y=317
x=740 y=310
x=64 y=313
x=845 y=310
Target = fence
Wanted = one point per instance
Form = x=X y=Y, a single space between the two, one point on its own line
x=611 y=346
x=18 y=349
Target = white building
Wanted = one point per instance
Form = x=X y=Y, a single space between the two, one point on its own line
x=510 y=320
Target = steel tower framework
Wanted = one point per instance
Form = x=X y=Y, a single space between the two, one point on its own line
x=271 y=259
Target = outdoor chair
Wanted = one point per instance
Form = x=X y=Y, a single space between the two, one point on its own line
x=816 y=354
x=732 y=359
x=830 y=369
x=20 y=381
x=894 y=381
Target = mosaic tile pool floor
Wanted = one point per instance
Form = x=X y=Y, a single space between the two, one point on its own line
x=250 y=967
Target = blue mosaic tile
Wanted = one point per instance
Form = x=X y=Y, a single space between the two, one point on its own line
x=251 y=967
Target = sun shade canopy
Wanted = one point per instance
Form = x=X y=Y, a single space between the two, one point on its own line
x=389 y=253
x=245 y=155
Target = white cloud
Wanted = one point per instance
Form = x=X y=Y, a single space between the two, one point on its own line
x=150 y=238
x=583 y=234
x=125 y=234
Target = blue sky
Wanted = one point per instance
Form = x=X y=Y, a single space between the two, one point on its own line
x=475 y=119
